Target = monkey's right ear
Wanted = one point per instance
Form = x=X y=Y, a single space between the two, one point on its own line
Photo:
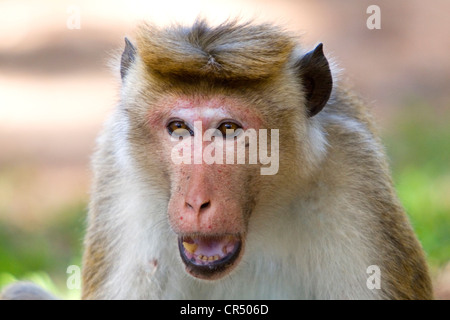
x=316 y=79
x=128 y=57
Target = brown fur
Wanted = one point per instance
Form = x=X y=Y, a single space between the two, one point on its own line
x=369 y=177
x=213 y=52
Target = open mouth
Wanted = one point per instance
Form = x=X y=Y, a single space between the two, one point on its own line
x=209 y=257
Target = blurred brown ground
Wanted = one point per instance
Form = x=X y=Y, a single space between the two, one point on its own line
x=56 y=88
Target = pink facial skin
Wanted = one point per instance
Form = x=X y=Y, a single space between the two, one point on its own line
x=206 y=199
x=208 y=110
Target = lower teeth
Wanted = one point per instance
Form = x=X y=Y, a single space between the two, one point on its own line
x=208 y=259
x=192 y=248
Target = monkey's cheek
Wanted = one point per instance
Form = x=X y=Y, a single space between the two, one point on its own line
x=210 y=257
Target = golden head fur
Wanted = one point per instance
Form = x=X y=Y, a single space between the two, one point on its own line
x=213 y=52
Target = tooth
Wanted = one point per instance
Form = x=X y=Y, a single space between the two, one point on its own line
x=190 y=247
x=211 y=258
x=216 y=257
x=205 y=258
x=200 y=257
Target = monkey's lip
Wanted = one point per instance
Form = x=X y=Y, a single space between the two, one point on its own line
x=210 y=257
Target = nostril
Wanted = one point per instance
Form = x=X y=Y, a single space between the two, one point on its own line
x=196 y=208
x=205 y=205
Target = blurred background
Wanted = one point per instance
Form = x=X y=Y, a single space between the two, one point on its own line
x=56 y=89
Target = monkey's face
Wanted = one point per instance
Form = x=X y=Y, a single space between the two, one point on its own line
x=176 y=91
x=211 y=195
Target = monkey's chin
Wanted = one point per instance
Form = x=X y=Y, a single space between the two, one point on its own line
x=210 y=257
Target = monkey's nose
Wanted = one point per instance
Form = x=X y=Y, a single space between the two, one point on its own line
x=198 y=205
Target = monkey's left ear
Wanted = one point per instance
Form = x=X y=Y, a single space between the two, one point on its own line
x=128 y=57
x=316 y=78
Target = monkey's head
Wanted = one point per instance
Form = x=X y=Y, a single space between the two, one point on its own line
x=193 y=96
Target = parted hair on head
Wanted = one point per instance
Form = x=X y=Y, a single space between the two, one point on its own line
x=229 y=51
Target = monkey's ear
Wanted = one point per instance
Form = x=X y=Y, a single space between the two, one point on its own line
x=316 y=78
x=128 y=57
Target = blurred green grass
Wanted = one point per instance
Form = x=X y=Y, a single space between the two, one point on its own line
x=43 y=255
x=418 y=145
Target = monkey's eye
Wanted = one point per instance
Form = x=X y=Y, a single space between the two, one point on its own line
x=229 y=129
x=179 y=128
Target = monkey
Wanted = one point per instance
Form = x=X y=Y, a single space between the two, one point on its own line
x=157 y=229
x=25 y=291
